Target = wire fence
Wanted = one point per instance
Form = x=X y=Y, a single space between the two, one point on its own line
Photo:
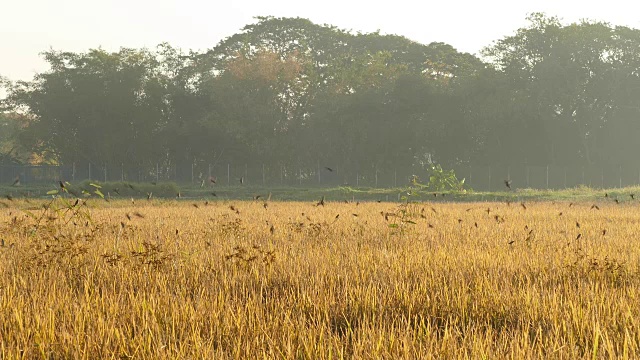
x=479 y=178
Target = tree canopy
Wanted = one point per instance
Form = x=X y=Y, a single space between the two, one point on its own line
x=286 y=91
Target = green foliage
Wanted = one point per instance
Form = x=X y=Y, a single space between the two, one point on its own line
x=11 y=150
x=288 y=92
x=440 y=180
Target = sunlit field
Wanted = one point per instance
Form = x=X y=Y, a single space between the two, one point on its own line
x=273 y=280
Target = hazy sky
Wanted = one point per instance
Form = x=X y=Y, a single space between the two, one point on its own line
x=28 y=27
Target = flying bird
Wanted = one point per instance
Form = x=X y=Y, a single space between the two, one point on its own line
x=328 y=168
x=16 y=182
x=507 y=183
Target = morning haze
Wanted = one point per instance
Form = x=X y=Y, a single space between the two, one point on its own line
x=183 y=180
x=488 y=91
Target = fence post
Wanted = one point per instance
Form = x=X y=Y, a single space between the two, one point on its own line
x=158 y=173
x=263 y=174
x=122 y=172
x=73 y=172
x=228 y=174
x=105 y=172
x=209 y=171
x=357 y=179
x=620 y=174
x=89 y=171
x=395 y=178
x=547 y=181
x=376 y=177
x=565 y=177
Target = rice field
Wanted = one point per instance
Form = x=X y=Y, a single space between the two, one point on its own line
x=333 y=280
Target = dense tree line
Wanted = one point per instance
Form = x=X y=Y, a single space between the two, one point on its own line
x=286 y=91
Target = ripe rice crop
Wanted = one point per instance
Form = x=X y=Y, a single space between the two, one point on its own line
x=254 y=279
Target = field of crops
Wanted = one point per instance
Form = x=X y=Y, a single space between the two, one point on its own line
x=255 y=279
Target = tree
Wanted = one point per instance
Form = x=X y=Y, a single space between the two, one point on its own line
x=566 y=84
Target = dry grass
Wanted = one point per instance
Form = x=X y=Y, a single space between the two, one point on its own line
x=294 y=280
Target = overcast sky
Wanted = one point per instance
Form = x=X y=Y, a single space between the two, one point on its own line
x=28 y=27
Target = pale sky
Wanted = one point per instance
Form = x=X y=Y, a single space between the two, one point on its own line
x=28 y=27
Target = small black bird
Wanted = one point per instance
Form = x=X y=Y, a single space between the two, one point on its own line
x=507 y=183
x=241 y=180
x=61 y=184
x=328 y=168
x=633 y=196
x=16 y=182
